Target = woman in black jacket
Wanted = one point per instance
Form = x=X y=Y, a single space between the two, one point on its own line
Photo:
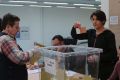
x=99 y=38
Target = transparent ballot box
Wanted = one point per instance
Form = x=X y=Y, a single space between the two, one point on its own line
x=70 y=63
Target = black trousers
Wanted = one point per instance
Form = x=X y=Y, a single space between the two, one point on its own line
x=105 y=71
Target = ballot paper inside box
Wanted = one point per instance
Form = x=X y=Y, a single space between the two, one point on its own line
x=70 y=63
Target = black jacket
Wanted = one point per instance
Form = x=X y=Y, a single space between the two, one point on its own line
x=10 y=70
x=105 y=41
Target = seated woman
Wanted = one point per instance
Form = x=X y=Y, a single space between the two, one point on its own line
x=74 y=63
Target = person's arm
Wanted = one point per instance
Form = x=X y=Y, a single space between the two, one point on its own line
x=11 y=50
x=114 y=74
x=110 y=52
x=78 y=36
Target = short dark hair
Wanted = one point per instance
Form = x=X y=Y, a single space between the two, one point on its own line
x=100 y=16
x=9 y=19
x=59 y=37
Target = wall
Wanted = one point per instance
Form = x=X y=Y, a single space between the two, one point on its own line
x=44 y=23
x=60 y=21
x=105 y=8
x=114 y=6
x=30 y=17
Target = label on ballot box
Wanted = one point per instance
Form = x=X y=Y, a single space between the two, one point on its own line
x=50 y=65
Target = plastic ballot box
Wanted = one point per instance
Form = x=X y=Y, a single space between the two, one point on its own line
x=70 y=63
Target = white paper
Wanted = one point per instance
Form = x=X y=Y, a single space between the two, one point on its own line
x=70 y=73
x=50 y=65
x=34 y=71
x=113 y=20
x=34 y=74
x=77 y=30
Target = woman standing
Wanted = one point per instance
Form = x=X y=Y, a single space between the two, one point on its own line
x=99 y=37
